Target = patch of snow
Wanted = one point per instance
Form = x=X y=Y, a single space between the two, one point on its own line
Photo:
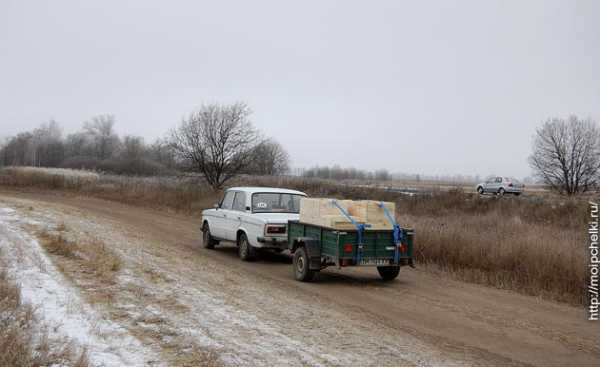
x=59 y=308
x=6 y=211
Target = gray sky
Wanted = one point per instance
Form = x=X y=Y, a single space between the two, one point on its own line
x=441 y=87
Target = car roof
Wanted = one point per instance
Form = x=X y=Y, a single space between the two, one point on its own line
x=255 y=189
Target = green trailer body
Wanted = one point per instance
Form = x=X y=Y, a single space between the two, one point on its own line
x=323 y=247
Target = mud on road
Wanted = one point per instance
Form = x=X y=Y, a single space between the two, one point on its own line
x=181 y=300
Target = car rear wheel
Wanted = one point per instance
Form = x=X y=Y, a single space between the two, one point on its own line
x=301 y=268
x=245 y=250
x=207 y=239
x=388 y=273
x=501 y=191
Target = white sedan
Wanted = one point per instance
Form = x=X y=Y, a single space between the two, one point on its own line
x=252 y=217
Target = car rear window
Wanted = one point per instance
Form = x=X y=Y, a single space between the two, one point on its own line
x=272 y=202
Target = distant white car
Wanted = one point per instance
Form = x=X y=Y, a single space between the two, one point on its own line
x=500 y=185
x=252 y=217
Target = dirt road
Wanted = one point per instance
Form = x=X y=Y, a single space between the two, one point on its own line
x=344 y=318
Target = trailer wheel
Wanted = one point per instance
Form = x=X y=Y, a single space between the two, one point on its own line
x=301 y=269
x=207 y=240
x=388 y=272
x=245 y=249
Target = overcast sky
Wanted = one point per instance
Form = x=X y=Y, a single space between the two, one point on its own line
x=437 y=87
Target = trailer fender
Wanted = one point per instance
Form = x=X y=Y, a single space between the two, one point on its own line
x=313 y=250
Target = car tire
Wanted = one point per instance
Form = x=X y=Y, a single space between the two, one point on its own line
x=246 y=251
x=301 y=266
x=388 y=273
x=207 y=239
x=480 y=190
x=501 y=191
x=517 y=193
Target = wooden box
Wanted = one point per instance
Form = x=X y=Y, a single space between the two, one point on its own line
x=322 y=212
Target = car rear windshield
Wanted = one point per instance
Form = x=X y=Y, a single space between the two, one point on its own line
x=272 y=202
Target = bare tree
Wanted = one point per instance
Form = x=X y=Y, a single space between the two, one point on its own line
x=78 y=144
x=269 y=158
x=100 y=130
x=133 y=147
x=161 y=151
x=216 y=141
x=566 y=154
x=47 y=148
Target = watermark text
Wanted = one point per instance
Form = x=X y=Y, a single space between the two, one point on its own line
x=594 y=265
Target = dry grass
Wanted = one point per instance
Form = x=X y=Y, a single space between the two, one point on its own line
x=506 y=252
x=188 y=195
x=93 y=256
x=57 y=244
x=100 y=259
x=21 y=344
x=533 y=243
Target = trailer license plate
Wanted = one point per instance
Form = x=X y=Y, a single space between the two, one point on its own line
x=377 y=262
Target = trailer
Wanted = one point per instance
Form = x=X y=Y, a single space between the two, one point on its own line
x=315 y=248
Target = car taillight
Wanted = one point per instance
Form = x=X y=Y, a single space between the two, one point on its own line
x=348 y=248
x=510 y=184
x=275 y=229
x=403 y=248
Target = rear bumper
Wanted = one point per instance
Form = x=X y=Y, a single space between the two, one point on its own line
x=272 y=242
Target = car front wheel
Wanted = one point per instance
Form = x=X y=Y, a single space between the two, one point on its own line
x=501 y=192
x=480 y=190
x=207 y=239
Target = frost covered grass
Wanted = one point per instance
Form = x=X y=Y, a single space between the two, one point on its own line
x=55 y=178
x=180 y=194
x=58 y=328
x=21 y=344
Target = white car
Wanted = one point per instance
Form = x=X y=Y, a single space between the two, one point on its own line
x=501 y=186
x=252 y=217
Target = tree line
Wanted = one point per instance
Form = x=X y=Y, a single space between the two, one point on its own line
x=220 y=142
x=350 y=173
x=217 y=141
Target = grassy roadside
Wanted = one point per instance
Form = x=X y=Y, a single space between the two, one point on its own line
x=94 y=266
x=532 y=244
x=22 y=345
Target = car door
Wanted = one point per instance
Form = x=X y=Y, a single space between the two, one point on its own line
x=235 y=215
x=488 y=186
x=495 y=185
x=219 y=222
